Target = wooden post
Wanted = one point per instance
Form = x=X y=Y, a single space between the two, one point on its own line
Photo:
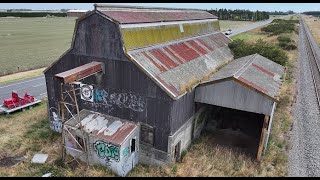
x=262 y=137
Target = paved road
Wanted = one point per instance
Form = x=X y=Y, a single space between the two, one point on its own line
x=37 y=86
x=249 y=27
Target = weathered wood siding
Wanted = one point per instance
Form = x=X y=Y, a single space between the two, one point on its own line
x=181 y=111
x=98 y=37
x=233 y=95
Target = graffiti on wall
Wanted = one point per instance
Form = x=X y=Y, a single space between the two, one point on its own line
x=125 y=152
x=107 y=151
x=126 y=165
x=55 y=120
x=86 y=92
x=122 y=100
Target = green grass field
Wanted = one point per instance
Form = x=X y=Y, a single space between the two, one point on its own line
x=29 y=43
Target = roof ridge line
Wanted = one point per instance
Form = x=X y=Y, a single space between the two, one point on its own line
x=246 y=65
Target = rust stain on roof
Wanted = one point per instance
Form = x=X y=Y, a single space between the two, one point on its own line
x=108 y=128
x=174 y=63
x=254 y=70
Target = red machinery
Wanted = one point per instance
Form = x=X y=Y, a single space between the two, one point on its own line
x=16 y=101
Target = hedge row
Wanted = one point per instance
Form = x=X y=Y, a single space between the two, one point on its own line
x=31 y=14
x=239 y=49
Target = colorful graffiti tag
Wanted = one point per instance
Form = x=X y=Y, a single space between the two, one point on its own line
x=125 y=152
x=122 y=100
x=55 y=120
x=107 y=151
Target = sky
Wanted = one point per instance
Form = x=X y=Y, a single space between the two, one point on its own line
x=296 y=7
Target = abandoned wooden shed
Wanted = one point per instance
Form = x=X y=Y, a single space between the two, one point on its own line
x=141 y=65
x=249 y=84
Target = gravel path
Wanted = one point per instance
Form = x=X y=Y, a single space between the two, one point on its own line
x=304 y=155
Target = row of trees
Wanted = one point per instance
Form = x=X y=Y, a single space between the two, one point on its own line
x=281 y=13
x=313 y=13
x=245 y=15
x=239 y=15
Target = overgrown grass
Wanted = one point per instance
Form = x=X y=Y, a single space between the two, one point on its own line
x=314 y=27
x=240 y=48
x=31 y=43
x=20 y=76
x=279 y=26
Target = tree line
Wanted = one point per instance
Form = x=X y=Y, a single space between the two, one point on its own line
x=239 y=15
x=313 y=13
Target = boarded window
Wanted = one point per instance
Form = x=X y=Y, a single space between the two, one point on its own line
x=146 y=134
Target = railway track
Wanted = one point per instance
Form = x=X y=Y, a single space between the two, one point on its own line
x=313 y=59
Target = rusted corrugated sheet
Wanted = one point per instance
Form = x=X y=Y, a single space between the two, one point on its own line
x=255 y=71
x=179 y=64
x=80 y=72
x=127 y=17
x=109 y=128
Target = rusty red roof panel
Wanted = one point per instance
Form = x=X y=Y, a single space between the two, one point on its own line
x=254 y=70
x=178 y=64
x=263 y=69
x=130 y=17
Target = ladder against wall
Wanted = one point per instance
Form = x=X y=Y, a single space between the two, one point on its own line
x=68 y=105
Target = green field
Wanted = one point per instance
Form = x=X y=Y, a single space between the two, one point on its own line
x=29 y=43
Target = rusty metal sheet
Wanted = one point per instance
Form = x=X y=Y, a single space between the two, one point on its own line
x=255 y=71
x=127 y=17
x=80 y=72
x=178 y=64
x=108 y=128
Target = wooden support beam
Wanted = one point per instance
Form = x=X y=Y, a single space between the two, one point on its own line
x=262 y=137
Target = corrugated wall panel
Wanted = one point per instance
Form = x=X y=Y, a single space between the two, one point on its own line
x=233 y=95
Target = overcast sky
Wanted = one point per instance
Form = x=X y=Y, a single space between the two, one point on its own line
x=297 y=7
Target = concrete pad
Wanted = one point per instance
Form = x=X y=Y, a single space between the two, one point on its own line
x=39 y=158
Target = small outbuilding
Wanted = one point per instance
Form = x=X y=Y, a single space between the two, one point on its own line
x=250 y=84
x=107 y=141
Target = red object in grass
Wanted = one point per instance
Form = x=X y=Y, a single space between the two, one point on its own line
x=16 y=101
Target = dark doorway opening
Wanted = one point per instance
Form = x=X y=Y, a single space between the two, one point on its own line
x=238 y=130
x=133 y=145
x=177 y=154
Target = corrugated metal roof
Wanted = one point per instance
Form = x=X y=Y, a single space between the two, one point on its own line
x=182 y=63
x=108 y=128
x=254 y=70
x=128 y=17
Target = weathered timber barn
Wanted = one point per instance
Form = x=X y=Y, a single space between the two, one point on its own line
x=151 y=67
